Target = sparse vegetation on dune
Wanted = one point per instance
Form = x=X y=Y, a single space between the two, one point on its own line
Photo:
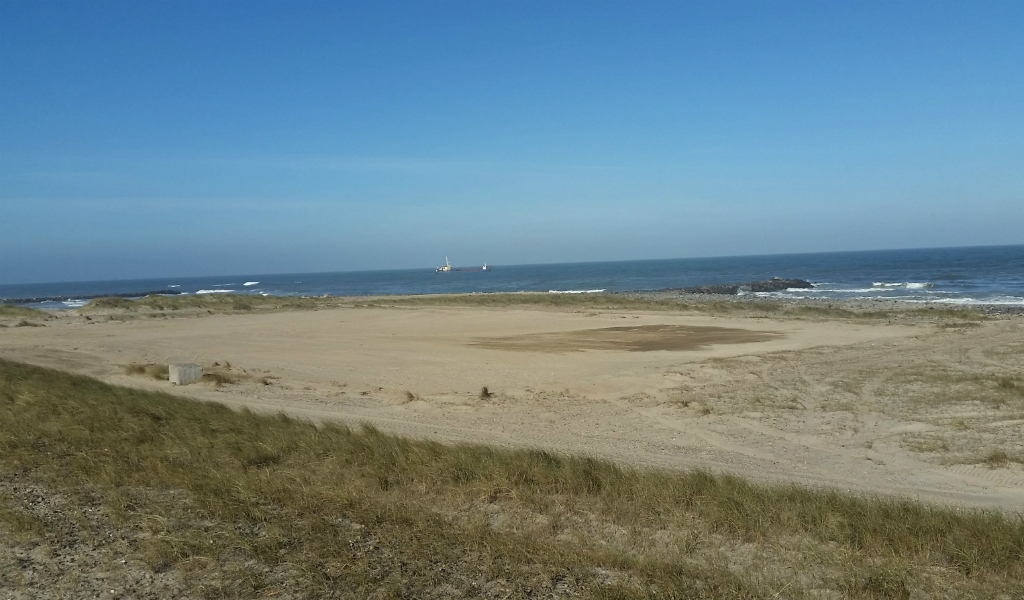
x=232 y=504
x=9 y=311
x=575 y=301
x=205 y=302
x=24 y=323
x=235 y=303
x=159 y=372
x=733 y=306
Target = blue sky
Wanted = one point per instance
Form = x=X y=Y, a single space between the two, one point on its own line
x=178 y=138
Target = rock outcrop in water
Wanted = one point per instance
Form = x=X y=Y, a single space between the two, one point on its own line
x=776 y=284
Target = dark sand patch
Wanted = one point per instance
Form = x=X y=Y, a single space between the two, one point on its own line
x=641 y=338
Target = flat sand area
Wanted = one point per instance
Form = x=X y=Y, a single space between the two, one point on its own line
x=857 y=405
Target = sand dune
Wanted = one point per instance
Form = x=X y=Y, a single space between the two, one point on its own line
x=866 y=405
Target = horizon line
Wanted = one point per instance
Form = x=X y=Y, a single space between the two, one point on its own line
x=517 y=264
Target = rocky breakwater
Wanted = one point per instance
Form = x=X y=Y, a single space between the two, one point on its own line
x=776 y=284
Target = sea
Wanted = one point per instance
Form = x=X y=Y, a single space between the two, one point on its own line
x=992 y=275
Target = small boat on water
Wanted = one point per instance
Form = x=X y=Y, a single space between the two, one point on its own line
x=447 y=267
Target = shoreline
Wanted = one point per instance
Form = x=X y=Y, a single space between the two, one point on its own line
x=854 y=304
x=665 y=298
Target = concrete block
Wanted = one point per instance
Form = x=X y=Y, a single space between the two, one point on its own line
x=185 y=373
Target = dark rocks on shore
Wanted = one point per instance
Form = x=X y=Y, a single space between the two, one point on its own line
x=776 y=284
x=87 y=297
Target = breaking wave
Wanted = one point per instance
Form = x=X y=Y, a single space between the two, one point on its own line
x=248 y=283
x=214 y=291
x=999 y=300
x=910 y=285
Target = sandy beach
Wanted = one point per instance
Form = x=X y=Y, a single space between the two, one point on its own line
x=914 y=406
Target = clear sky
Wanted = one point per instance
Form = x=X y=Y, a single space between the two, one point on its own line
x=182 y=138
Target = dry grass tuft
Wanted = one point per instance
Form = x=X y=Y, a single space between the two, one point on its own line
x=159 y=372
x=1010 y=384
x=959 y=325
x=219 y=378
x=485 y=394
x=1002 y=458
x=242 y=505
x=997 y=458
x=24 y=323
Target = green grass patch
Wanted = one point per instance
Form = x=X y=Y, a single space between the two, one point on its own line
x=245 y=505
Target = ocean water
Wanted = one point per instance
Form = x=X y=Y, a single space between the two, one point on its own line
x=979 y=275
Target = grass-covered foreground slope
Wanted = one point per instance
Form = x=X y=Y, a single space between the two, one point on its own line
x=116 y=491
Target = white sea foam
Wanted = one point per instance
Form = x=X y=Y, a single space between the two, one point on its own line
x=222 y=284
x=826 y=291
x=834 y=290
x=214 y=291
x=575 y=291
x=910 y=285
x=74 y=303
x=248 y=283
x=174 y=286
x=995 y=300
x=1000 y=300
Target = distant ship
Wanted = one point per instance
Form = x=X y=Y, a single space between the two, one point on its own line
x=447 y=267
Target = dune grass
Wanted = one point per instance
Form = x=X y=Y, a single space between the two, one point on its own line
x=579 y=302
x=745 y=307
x=240 y=303
x=10 y=311
x=204 y=302
x=235 y=504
